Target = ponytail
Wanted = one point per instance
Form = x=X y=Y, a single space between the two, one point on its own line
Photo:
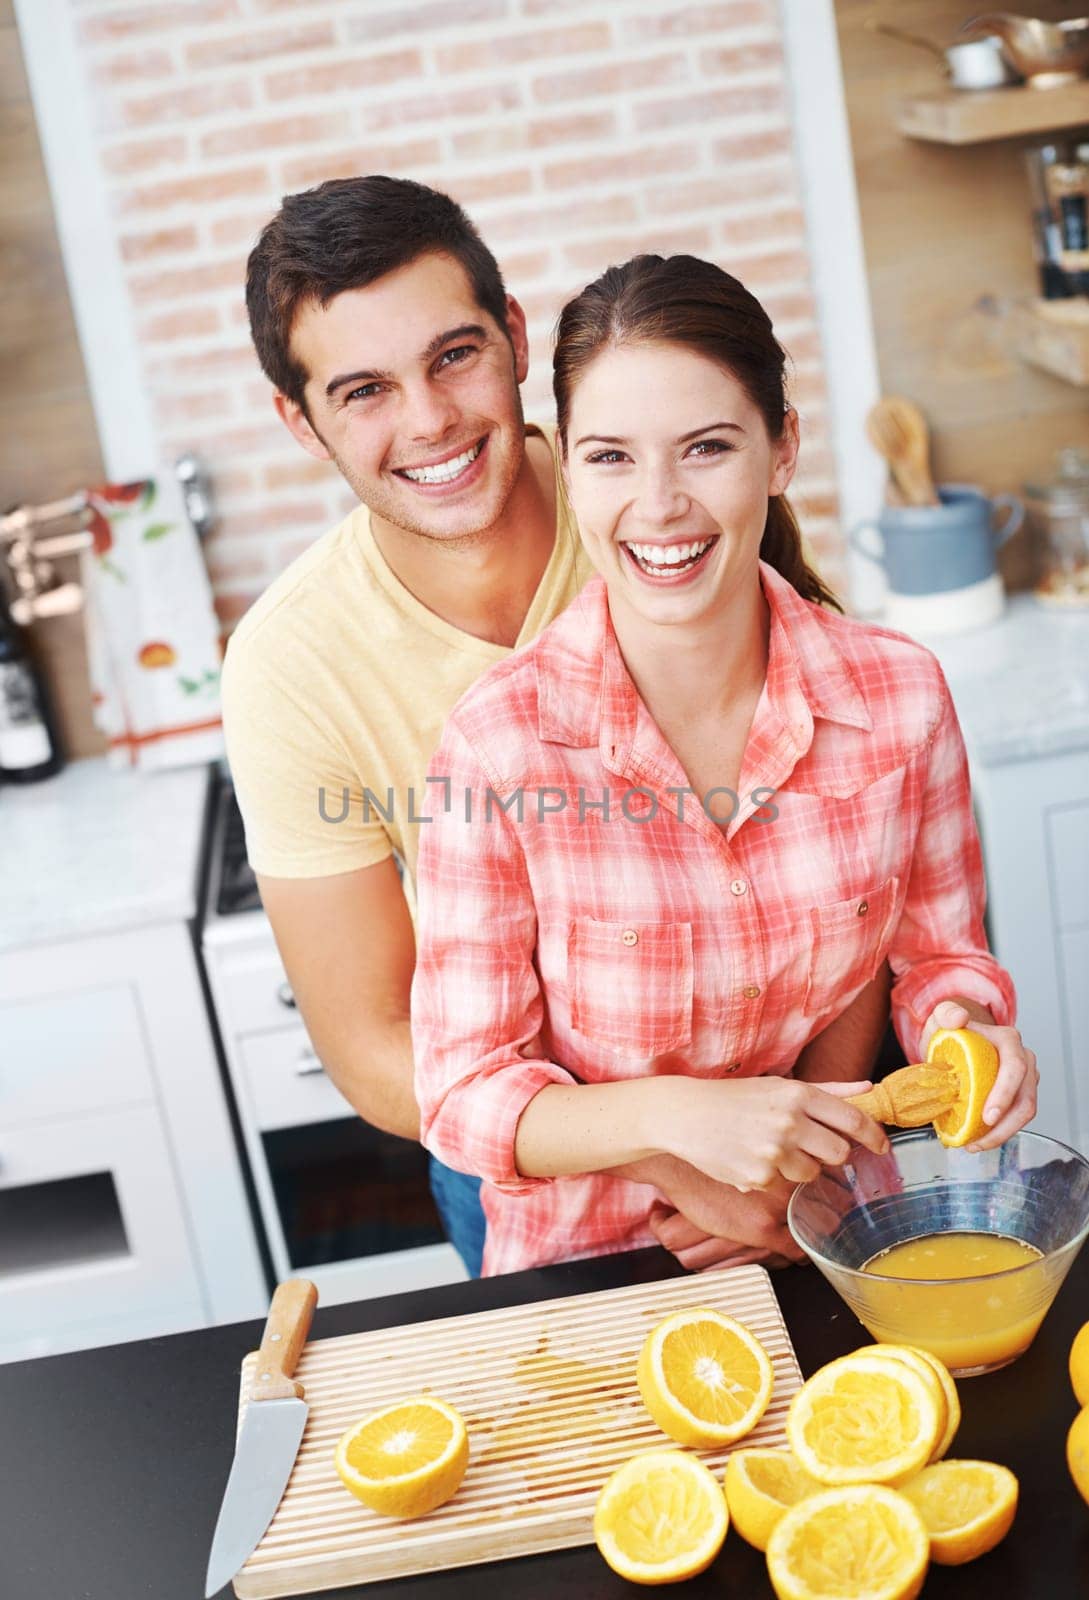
x=781 y=547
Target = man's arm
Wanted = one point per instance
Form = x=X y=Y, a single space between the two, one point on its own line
x=349 y=950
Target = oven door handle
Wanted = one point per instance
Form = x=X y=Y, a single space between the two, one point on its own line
x=309 y=1062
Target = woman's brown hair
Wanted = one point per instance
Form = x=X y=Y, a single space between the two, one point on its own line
x=685 y=301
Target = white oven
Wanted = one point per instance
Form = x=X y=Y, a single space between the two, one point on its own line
x=343 y=1203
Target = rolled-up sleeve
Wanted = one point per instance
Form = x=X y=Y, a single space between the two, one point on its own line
x=939 y=948
x=476 y=1000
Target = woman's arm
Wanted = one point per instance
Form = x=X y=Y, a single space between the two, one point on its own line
x=946 y=974
x=476 y=1006
x=939 y=947
x=747 y=1132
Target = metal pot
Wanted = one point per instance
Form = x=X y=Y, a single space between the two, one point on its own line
x=1046 y=54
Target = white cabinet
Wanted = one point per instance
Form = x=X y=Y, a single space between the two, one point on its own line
x=1030 y=815
x=122 y=1207
x=93 y=1227
x=71 y=1053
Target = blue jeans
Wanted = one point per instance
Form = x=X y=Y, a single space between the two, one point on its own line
x=457 y=1196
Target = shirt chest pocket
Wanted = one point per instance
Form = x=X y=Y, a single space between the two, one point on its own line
x=850 y=938
x=630 y=984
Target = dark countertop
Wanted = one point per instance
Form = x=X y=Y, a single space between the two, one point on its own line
x=113 y=1461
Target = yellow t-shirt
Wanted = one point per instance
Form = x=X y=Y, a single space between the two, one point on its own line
x=338 y=681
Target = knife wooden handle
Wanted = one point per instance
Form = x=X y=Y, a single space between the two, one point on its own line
x=289 y=1319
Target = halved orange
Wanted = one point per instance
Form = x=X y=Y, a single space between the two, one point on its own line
x=660 y=1517
x=1077 y=1452
x=974 y=1059
x=762 y=1483
x=931 y=1367
x=1079 y=1365
x=865 y=1418
x=968 y=1507
x=406 y=1460
x=704 y=1378
x=863 y=1542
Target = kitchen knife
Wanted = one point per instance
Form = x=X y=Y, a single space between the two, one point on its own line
x=271 y=1432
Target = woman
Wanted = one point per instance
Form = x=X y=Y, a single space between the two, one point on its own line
x=685 y=827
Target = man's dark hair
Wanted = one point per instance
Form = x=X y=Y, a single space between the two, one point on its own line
x=346 y=234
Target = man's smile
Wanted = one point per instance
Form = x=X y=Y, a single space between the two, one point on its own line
x=446 y=469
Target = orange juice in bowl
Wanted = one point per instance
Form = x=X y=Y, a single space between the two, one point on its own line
x=956 y=1251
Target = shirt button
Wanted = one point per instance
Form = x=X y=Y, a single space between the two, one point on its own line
x=863 y=907
x=738 y=886
x=629 y=936
x=751 y=991
x=735 y=1066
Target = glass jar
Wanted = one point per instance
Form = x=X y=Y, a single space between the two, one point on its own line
x=1058 y=517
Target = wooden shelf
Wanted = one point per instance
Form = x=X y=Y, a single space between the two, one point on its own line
x=1040 y=335
x=972 y=116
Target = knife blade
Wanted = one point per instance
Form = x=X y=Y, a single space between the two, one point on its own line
x=269 y=1439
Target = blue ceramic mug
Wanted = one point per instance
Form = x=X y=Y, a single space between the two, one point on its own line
x=932 y=549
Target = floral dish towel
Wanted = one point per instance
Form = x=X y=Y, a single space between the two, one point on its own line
x=152 y=633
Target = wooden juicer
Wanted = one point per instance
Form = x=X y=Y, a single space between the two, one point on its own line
x=948 y=1089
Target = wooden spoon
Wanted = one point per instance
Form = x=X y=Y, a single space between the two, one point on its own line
x=912 y=1096
x=897 y=430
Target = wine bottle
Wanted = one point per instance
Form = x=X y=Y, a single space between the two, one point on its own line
x=29 y=747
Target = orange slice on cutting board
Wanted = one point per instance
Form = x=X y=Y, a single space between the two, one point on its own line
x=406 y=1460
x=704 y=1378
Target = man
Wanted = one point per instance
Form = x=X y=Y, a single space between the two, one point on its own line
x=382 y=321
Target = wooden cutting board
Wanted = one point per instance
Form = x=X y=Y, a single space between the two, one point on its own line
x=549 y=1397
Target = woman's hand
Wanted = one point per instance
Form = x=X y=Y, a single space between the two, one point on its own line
x=750 y=1132
x=1012 y=1101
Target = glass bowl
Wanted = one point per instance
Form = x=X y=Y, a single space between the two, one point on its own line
x=1032 y=1188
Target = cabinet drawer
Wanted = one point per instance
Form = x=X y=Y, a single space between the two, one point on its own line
x=256 y=991
x=70 y=1052
x=286 y=1082
x=1068 y=845
x=91 y=1226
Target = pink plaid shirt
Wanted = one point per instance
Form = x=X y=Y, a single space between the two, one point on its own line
x=558 y=943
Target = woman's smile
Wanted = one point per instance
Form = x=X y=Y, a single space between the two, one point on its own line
x=669 y=564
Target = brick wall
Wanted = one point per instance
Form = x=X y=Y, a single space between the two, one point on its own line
x=574 y=131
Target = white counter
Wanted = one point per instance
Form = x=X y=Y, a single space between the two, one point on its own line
x=95 y=850
x=1021 y=685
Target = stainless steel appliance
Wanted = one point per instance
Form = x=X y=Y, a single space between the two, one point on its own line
x=341 y=1201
